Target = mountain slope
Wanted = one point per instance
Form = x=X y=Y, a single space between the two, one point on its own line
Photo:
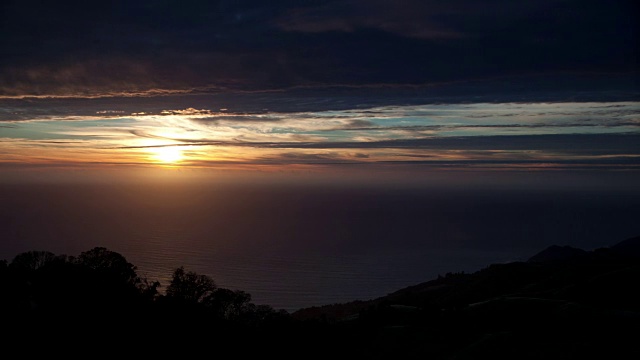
x=567 y=303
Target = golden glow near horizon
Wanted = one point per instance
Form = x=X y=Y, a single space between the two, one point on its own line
x=445 y=136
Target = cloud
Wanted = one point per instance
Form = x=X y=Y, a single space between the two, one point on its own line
x=237 y=119
x=359 y=125
x=422 y=128
x=457 y=134
x=574 y=142
x=580 y=144
x=408 y=18
x=133 y=48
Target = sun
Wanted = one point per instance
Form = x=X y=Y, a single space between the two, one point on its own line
x=167 y=154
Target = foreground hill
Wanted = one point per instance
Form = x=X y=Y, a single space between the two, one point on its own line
x=559 y=272
x=562 y=303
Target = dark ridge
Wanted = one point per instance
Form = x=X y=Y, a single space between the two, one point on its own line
x=558 y=272
x=555 y=253
x=629 y=247
x=565 y=304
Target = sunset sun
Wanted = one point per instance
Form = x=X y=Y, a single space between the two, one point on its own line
x=167 y=154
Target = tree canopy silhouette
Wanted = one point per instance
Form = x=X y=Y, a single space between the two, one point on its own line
x=560 y=308
x=190 y=287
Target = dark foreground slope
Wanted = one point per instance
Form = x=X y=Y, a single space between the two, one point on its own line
x=563 y=303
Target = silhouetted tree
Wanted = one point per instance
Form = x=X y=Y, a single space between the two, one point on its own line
x=229 y=304
x=32 y=260
x=109 y=263
x=190 y=287
x=148 y=289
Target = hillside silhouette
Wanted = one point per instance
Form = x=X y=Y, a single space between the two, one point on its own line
x=563 y=303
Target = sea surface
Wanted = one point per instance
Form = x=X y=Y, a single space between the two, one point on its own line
x=309 y=245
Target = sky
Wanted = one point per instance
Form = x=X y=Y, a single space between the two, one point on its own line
x=403 y=138
x=74 y=47
x=411 y=89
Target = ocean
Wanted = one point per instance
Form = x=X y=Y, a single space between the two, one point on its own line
x=295 y=246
